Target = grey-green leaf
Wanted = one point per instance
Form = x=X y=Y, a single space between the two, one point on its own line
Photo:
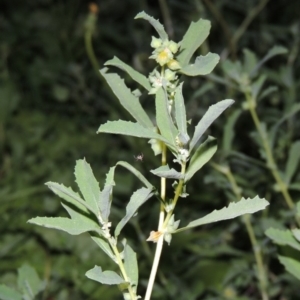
x=212 y=113
x=131 y=265
x=87 y=183
x=235 y=209
x=192 y=40
x=296 y=234
x=104 y=245
x=78 y=223
x=250 y=61
x=129 y=101
x=166 y=172
x=229 y=131
x=163 y=117
x=131 y=129
x=105 y=202
x=203 y=65
x=257 y=85
x=136 y=172
x=7 y=293
x=29 y=282
x=69 y=195
x=276 y=50
x=136 y=76
x=293 y=162
x=138 y=198
x=203 y=154
x=155 y=23
x=282 y=237
x=180 y=113
x=104 y=277
x=291 y=265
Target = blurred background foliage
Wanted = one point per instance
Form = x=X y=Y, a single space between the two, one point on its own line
x=52 y=101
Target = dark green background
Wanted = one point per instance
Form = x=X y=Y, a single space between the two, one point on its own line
x=52 y=103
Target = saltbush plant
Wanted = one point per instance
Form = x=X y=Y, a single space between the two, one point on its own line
x=172 y=137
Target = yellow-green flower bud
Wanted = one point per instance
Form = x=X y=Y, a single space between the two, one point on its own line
x=173 y=46
x=173 y=64
x=169 y=75
x=164 y=56
x=155 y=43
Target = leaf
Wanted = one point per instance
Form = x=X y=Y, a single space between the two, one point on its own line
x=282 y=237
x=296 y=234
x=131 y=265
x=155 y=23
x=203 y=65
x=257 y=85
x=229 y=132
x=69 y=195
x=192 y=40
x=291 y=265
x=104 y=245
x=180 y=113
x=7 y=293
x=232 y=70
x=166 y=172
x=276 y=50
x=129 y=101
x=250 y=61
x=266 y=92
x=105 y=202
x=203 y=154
x=163 y=118
x=29 y=282
x=106 y=195
x=235 y=209
x=136 y=76
x=212 y=113
x=87 y=183
x=293 y=110
x=76 y=225
x=131 y=129
x=138 y=198
x=298 y=208
x=137 y=173
x=293 y=162
x=104 y=277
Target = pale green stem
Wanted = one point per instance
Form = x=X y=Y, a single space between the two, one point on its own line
x=122 y=269
x=88 y=36
x=157 y=255
x=177 y=194
x=160 y=241
x=269 y=155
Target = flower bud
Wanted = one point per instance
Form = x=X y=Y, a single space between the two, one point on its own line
x=173 y=46
x=173 y=64
x=155 y=43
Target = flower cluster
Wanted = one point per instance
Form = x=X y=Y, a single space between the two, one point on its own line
x=164 y=52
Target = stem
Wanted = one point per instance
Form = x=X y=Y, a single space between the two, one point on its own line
x=270 y=158
x=176 y=197
x=262 y=277
x=90 y=51
x=157 y=255
x=122 y=268
x=160 y=241
x=247 y=21
x=261 y=274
